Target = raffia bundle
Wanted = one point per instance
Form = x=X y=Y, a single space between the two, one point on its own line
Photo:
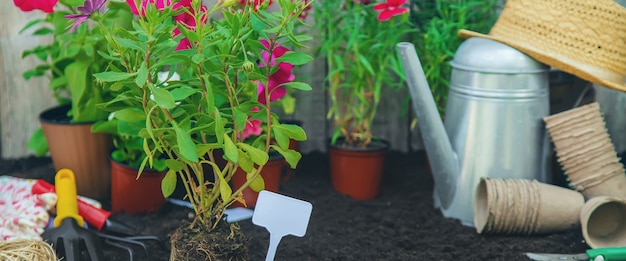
x=26 y=250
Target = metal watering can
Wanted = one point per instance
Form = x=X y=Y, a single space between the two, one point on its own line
x=493 y=124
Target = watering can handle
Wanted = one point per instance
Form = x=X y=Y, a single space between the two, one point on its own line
x=67 y=207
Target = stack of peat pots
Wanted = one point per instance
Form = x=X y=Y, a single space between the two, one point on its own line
x=586 y=153
x=597 y=202
x=588 y=157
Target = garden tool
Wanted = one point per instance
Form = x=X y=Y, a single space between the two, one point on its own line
x=281 y=216
x=493 y=121
x=597 y=254
x=68 y=233
x=95 y=217
x=125 y=243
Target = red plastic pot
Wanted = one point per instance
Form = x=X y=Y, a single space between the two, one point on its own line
x=356 y=171
x=132 y=195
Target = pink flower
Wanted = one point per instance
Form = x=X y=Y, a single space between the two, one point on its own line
x=305 y=11
x=29 y=5
x=390 y=8
x=256 y=3
x=188 y=21
x=253 y=127
x=282 y=76
x=160 y=5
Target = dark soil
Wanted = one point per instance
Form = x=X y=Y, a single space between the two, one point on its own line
x=400 y=224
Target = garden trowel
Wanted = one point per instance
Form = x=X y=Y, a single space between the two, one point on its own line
x=281 y=216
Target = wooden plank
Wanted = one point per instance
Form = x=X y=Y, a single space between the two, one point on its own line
x=21 y=101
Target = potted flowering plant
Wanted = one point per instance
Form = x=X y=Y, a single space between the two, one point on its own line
x=359 y=39
x=230 y=66
x=70 y=58
x=69 y=61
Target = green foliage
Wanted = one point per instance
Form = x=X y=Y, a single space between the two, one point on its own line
x=362 y=62
x=197 y=117
x=439 y=21
x=70 y=60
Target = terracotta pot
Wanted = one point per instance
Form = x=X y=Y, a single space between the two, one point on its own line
x=74 y=146
x=271 y=174
x=132 y=195
x=356 y=171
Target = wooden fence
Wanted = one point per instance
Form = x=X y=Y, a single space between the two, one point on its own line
x=21 y=101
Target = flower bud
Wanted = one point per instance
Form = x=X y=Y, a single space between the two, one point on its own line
x=228 y=3
x=248 y=66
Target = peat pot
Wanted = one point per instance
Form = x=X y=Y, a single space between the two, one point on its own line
x=75 y=147
x=356 y=171
x=271 y=174
x=134 y=195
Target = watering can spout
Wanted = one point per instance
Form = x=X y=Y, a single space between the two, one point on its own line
x=442 y=158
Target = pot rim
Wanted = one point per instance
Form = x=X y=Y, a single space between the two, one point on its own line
x=58 y=115
x=377 y=144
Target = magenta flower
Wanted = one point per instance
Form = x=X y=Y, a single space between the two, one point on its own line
x=390 y=8
x=257 y=4
x=282 y=76
x=253 y=127
x=88 y=8
x=30 y=5
x=160 y=5
x=187 y=20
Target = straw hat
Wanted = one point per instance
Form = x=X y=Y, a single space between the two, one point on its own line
x=581 y=37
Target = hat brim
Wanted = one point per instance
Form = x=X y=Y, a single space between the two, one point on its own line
x=554 y=60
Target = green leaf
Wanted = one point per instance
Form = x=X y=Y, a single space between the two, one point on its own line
x=291 y=156
x=258 y=25
x=163 y=98
x=225 y=190
x=142 y=75
x=185 y=144
x=183 y=92
x=130 y=115
x=168 y=184
x=43 y=31
x=197 y=58
x=37 y=143
x=257 y=155
x=303 y=38
x=219 y=126
x=240 y=118
x=73 y=3
x=174 y=165
x=109 y=127
x=230 y=150
x=30 y=24
x=295 y=58
x=257 y=184
x=85 y=96
x=298 y=85
x=245 y=163
x=292 y=131
x=281 y=138
x=126 y=43
x=113 y=76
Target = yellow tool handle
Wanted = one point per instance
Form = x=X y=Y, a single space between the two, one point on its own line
x=67 y=206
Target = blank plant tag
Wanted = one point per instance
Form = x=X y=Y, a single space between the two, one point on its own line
x=281 y=216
